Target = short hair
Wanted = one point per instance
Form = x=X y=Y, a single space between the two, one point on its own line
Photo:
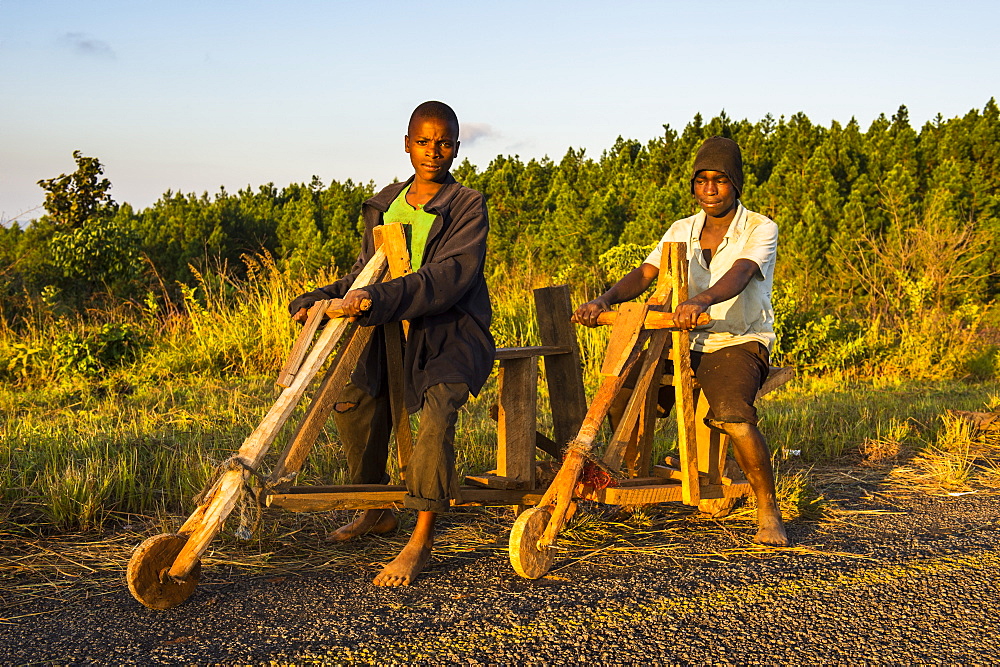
x=434 y=111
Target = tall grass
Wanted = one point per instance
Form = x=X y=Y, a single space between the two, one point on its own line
x=126 y=411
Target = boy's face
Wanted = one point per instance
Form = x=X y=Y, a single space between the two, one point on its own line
x=715 y=193
x=433 y=145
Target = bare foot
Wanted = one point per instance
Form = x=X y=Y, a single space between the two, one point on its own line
x=405 y=567
x=772 y=533
x=369 y=521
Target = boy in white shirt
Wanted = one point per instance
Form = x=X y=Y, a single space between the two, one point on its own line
x=731 y=253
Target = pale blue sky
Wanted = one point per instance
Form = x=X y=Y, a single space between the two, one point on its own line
x=191 y=96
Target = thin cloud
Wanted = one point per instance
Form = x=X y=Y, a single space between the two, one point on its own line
x=83 y=45
x=473 y=132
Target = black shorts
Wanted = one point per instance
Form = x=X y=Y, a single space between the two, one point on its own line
x=730 y=379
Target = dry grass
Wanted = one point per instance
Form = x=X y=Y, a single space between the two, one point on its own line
x=888 y=446
x=36 y=563
x=71 y=567
x=964 y=457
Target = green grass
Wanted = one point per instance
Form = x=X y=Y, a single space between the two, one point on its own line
x=100 y=423
x=72 y=458
x=830 y=416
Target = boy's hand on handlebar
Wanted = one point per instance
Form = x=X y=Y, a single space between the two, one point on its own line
x=355 y=302
x=587 y=313
x=686 y=314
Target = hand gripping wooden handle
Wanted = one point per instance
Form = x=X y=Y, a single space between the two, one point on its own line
x=654 y=319
x=333 y=309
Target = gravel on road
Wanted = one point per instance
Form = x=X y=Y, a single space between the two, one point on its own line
x=888 y=577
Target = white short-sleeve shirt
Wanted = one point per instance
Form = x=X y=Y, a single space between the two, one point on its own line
x=749 y=315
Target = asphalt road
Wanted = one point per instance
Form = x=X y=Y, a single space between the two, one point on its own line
x=892 y=578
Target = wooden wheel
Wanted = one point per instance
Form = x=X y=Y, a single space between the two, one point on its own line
x=528 y=560
x=147 y=573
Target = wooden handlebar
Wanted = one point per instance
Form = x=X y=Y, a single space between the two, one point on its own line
x=335 y=310
x=654 y=319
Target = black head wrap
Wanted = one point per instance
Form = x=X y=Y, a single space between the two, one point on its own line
x=720 y=154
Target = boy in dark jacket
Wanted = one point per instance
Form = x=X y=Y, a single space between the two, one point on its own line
x=449 y=351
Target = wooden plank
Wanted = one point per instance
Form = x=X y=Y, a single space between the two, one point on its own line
x=639 y=481
x=711 y=443
x=639 y=463
x=776 y=377
x=353 y=499
x=393 y=333
x=295 y=454
x=646 y=427
x=542 y=441
x=391 y=238
x=683 y=383
x=488 y=481
x=654 y=319
x=516 y=420
x=626 y=429
x=227 y=490
x=651 y=495
x=563 y=373
x=672 y=472
x=631 y=448
x=624 y=336
x=667 y=472
x=345 y=488
x=632 y=496
x=664 y=288
x=302 y=342
x=530 y=351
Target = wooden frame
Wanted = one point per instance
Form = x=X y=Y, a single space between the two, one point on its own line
x=702 y=476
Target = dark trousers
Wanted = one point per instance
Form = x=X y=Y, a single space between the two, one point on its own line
x=364 y=423
x=729 y=378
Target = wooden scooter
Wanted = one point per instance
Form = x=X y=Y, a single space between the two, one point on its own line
x=700 y=476
x=165 y=569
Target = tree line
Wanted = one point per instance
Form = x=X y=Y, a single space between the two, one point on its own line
x=870 y=219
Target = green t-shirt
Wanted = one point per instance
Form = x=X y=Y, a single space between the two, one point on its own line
x=417 y=223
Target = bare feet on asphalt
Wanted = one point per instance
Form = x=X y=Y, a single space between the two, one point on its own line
x=403 y=570
x=771 y=533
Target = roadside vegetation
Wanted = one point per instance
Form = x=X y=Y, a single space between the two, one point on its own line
x=139 y=348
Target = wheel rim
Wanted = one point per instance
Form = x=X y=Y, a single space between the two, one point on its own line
x=527 y=559
x=147 y=578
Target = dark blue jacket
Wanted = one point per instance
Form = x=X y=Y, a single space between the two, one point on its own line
x=445 y=300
